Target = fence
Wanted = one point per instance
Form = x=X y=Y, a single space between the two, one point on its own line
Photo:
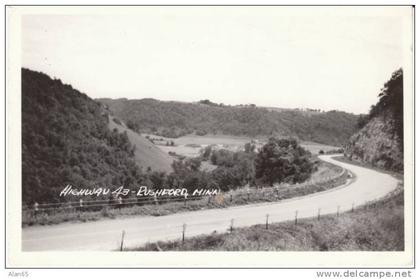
x=99 y=204
x=237 y=197
x=229 y=225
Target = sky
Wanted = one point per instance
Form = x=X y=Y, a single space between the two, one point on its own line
x=320 y=58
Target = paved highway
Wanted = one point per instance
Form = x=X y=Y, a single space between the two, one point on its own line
x=106 y=234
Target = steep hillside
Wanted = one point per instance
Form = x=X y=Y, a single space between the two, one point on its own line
x=174 y=119
x=146 y=154
x=380 y=139
x=66 y=140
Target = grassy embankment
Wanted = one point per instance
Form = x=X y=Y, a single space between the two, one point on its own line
x=318 y=182
x=146 y=153
x=376 y=226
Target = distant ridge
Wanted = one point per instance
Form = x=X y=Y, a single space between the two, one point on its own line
x=174 y=119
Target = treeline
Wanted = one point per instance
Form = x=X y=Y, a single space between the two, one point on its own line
x=175 y=119
x=280 y=160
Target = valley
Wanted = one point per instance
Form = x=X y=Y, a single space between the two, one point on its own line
x=192 y=145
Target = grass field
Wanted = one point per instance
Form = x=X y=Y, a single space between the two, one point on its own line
x=375 y=227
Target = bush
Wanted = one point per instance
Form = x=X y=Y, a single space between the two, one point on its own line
x=282 y=160
x=201 y=132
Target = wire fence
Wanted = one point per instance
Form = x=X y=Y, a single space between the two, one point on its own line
x=229 y=225
x=238 y=196
x=100 y=204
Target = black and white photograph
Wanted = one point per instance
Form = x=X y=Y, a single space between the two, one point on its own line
x=269 y=129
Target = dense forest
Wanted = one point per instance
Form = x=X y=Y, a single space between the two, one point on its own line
x=380 y=140
x=174 y=119
x=66 y=140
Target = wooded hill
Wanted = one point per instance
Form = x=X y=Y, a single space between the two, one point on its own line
x=174 y=119
x=67 y=139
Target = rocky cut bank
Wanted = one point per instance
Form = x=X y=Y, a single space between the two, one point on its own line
x=380 y=140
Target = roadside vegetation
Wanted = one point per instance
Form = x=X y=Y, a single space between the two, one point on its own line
x=377 y=226
x=326 y=177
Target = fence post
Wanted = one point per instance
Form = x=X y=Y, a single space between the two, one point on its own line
x=185 y=200
x=155 y=200
x=231 y=198
x=209 y=200
x=266 y=221
x=184 y=227
x=338 y=210
x=81 y=204
x=231 y=226
x=296 y=215
x=352 y=207
x=36 y=208
x=122 y=240
x=319 y=213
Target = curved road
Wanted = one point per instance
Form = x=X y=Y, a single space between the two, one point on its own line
x=106 y=234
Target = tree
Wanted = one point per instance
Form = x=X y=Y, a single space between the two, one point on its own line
x=207 y=152
x=362 y=121
x=282 y=160
x=249 y=147
x=133 y=126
